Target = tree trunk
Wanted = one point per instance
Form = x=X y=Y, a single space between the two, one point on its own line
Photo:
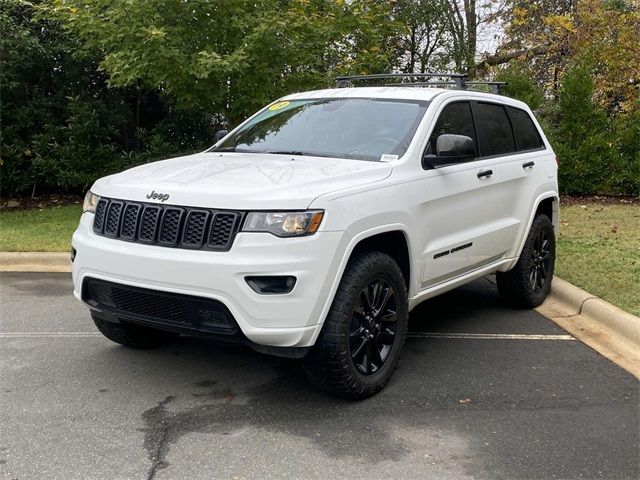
x=472 y=35
x=412 y=51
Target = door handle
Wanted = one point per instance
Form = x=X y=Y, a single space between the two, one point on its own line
x=528 y=165
x=485 y=173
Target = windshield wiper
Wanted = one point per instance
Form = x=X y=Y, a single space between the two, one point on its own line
x=224 y=149
x=286 y=152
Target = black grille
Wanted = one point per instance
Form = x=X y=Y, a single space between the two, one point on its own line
x=112 y=221
x=166 y=225
x=101 y=213
x=154 y=306
x=149 y=224
x=224 y=225
x=195 y=228
x=130 y=221
x=170 y=226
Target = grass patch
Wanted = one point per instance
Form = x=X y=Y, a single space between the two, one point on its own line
x=599 y=251
x=45 y=230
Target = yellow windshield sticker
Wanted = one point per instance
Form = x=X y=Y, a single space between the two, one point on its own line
x=278 y=106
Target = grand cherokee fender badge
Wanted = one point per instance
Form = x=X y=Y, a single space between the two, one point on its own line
x=158 y=196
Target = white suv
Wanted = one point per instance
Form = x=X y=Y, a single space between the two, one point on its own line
x=313 y=228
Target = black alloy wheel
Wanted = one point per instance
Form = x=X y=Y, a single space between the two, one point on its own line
x=373 y=327
x=363 y=334
x=540 y=262
x=528 y=283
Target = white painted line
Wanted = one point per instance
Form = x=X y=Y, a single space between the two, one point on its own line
x=49 y=334
x=472 y=336
x=489 y=336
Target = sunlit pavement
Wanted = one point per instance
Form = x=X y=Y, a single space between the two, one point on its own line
x=482 y=391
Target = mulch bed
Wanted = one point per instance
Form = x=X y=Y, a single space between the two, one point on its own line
x=54 y=200
x=39 y=202
x=566 y=200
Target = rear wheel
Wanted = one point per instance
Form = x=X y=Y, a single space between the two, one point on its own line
x=360 y=343
x=133 y=336
x=528 y=283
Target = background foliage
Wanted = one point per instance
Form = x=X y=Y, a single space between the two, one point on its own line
x=92 y=87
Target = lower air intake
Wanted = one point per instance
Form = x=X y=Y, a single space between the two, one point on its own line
x=158 y=307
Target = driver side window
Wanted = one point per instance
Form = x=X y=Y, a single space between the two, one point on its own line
x=456 y=119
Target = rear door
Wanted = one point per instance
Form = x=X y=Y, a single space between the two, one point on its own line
x=517 y=166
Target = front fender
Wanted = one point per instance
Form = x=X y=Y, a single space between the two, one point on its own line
x=347 y=246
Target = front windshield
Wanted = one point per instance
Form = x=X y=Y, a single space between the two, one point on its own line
x=354 y=128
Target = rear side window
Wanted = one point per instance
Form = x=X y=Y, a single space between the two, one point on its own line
x=455 y=119
x=494 y=130
x=527 y=135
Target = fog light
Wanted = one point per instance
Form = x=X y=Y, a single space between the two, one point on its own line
x=73 y=254
x=271 y=284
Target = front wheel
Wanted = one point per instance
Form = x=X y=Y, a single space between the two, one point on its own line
x=133 y=336
x=528 y=283
x=360 y=343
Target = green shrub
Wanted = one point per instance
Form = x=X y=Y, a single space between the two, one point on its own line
x=519 y=84
x=597 y=153
x=62 y=127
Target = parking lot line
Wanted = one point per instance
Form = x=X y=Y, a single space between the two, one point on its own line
x=472 y=336
x=489 y=336
x=48 y=334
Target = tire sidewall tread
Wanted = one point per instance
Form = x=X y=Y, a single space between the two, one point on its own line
x=513 y=286
x=329 y=365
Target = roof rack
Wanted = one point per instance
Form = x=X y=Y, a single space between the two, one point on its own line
x=494 y=87
x=456 y=80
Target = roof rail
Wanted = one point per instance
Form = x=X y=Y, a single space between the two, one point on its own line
x=456 y=80
x=494 y=87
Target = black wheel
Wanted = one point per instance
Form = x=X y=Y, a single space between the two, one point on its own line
x=363 y=334
x=133 y=336
x=528 y=283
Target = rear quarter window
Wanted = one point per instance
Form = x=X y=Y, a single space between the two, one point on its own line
x=526 y=133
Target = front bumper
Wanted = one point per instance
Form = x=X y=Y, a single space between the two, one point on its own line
x=287 y=320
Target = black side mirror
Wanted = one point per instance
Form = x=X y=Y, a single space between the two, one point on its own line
x=220 y=134
x=451 y=149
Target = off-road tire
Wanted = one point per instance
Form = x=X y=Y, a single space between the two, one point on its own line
x=329 y=365
x=515 y=286
x=133 y=336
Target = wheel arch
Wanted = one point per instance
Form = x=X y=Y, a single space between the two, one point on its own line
x=546 y=203
x=395 y=244
x=382 y=238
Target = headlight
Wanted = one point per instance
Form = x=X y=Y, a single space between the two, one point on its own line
x=90 y=202
x=284 y=224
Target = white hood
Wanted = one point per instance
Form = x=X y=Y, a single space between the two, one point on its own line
x=240 y=181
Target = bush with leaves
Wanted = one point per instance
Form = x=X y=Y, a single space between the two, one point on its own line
x=598 y=154
x=62 y=127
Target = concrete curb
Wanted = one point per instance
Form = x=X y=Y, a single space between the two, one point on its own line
x=604 y=327
x=35 y=262
x=588 y=305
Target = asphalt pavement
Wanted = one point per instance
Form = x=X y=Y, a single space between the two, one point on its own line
x=482 y=391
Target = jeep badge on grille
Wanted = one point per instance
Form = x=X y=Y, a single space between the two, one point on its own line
x=158 y=196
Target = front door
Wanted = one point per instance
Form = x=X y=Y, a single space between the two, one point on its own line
x=465 y=222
